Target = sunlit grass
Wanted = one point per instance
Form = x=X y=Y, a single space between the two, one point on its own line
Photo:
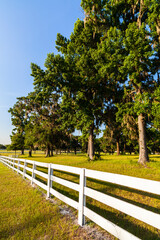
x=126 y=165
x=122 y=164
x=25 y=214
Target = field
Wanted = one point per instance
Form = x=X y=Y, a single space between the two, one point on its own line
x=126 y=165
x=26 y=214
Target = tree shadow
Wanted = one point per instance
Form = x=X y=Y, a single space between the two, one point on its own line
x=30 y=223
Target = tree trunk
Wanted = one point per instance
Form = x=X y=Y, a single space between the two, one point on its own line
x=48 y=151
x=124 y=148
x=118 y=151
x=22 y=152
x=30 y=153
x=75 y=150
x=143 y=153
x=51 y=151
x=91 y=145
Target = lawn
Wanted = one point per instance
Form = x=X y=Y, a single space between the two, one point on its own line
x=126 y=165
x=26 y=214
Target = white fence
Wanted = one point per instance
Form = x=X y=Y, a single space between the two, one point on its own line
x=25 y=167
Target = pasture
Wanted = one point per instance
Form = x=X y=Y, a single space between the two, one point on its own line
x=126 y=165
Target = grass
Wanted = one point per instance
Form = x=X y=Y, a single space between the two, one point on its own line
x=126 y=165
x=25 y=214
x=122 y=164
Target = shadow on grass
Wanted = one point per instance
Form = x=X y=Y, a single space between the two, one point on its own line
x=116 y=186
x=122 y=220
x=31 y=223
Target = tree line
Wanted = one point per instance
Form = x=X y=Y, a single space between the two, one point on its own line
x=107 y=72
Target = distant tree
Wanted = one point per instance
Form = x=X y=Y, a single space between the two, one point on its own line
x=19 y=119
x=108 y=142
x=74 y=143
x=30 y=137
x=42 y=125
x=2 y=146
x=17 y=142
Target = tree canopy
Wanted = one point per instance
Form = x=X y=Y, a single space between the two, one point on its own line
x=107 y=72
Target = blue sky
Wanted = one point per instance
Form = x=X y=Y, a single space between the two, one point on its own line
x=28 y=30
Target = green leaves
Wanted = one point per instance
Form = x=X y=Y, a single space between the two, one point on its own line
x=109 y=62
x=156 y=107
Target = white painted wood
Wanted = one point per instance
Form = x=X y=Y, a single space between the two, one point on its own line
x=17 y=166
x=22 y=160
x=21 y=166
x=28 y=169
x=42 y=185
x=51 y=184
x=64 y=168
x=33 y=173
x=19 y=171
x=29 y=161
x=5 y=160
x=7 y=164
x=2 y=161
x=65 y=183
x=24 y=169
x=41 y=164
x=28 y=176
x=115 y=230
x=84 y=198
x=144 y=215
x=13 y=163
x=49 y=181
x=65 y=199
x=81 y=217
x=44 y=175
x=127 y=181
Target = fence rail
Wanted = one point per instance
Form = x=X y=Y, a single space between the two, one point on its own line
x=28 y=169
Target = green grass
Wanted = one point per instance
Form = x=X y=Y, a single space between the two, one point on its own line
x=25 y=214
x=122 y=164
x=126 y=165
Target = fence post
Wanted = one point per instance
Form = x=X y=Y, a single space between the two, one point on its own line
x=13 y=163
x=49 y=180
x=82 y=198
x=10 y=162
x=24 y=169
x=33 y=173
x=18 y=167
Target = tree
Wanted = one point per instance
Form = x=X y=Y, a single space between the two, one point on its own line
x=139 y=47
x=111 y=61
x=153 y=143
x=2 y=146
x=95 y=79
x=19 y=120
x=43 y=123
x=156 y=108
x=17 y=143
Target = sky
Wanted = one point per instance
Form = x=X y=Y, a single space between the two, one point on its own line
x=28 y=30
